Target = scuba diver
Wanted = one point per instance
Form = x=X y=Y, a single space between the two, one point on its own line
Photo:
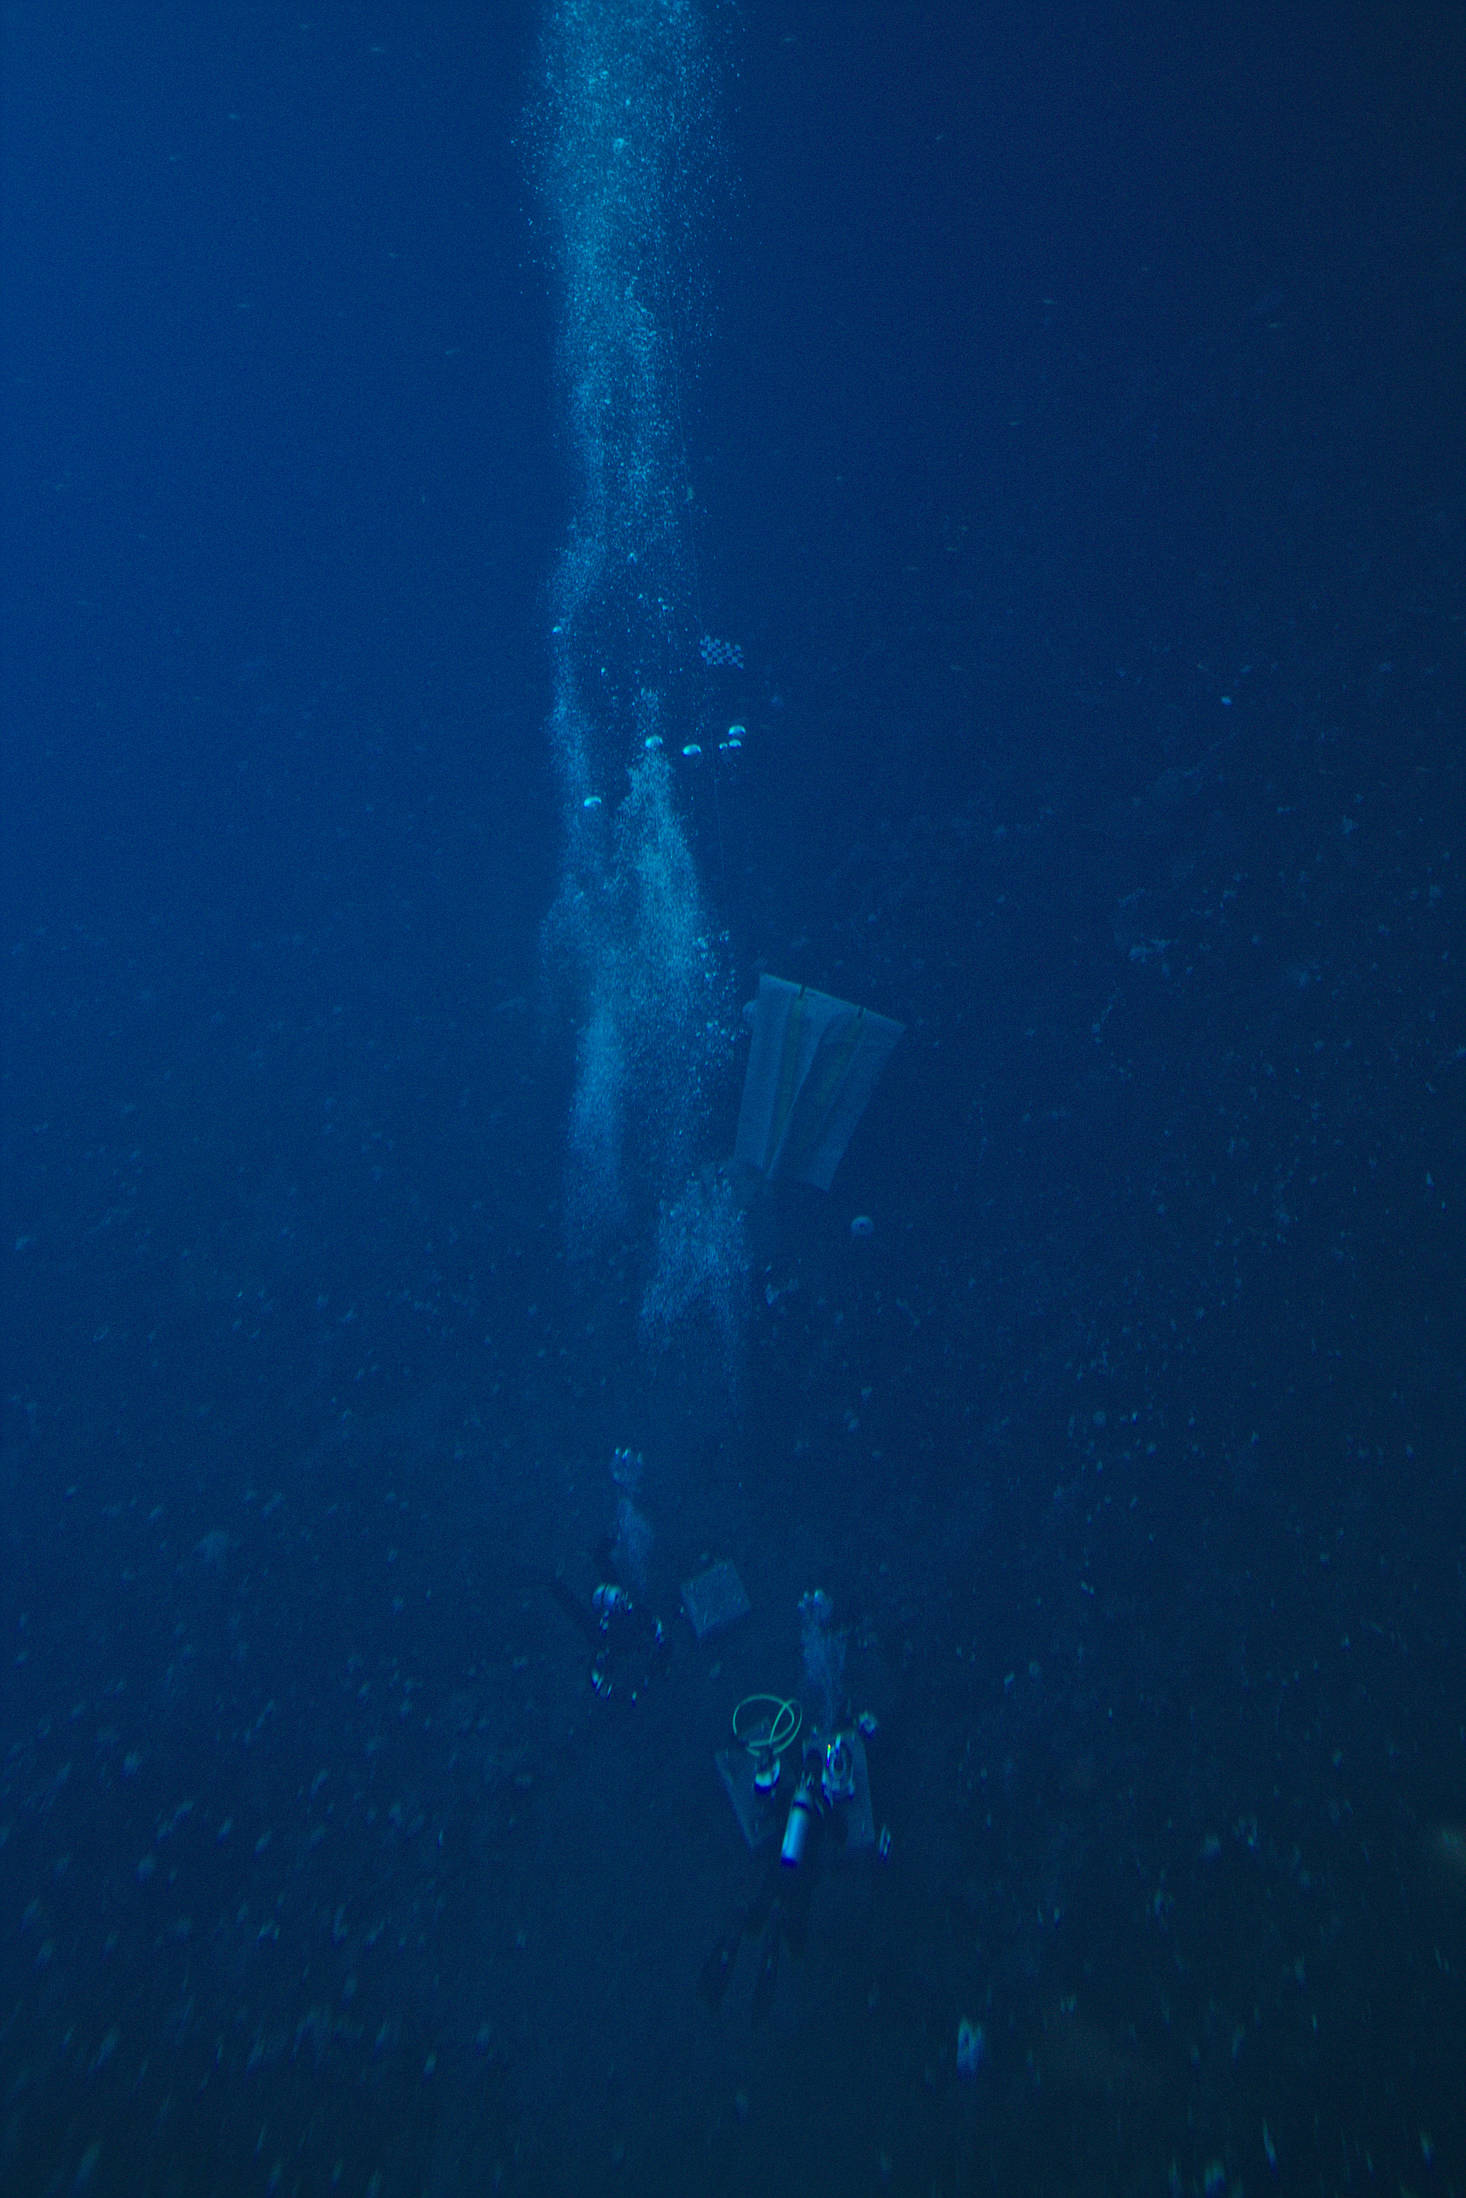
x=627 y=1642
x=778 y=1911
x=828 y=1817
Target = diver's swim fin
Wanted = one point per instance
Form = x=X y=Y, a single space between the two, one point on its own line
x=718 y=1967
x=765 y=1984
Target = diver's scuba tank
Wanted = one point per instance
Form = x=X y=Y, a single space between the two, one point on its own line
x=805 y=1809
x=799 y=1823
x=826 y=1783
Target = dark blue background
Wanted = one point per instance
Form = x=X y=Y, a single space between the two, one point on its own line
x=1076 y=454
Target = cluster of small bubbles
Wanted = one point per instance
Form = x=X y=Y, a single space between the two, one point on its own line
x=623 y=151
x=652 y=998
x=631 y=1548
x=596 y=1122
x=701 y=1265
x=823 y=1651
x=664 y=956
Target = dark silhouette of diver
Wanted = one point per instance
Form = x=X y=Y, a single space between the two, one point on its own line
x=778 y=1913
x=628 y=1642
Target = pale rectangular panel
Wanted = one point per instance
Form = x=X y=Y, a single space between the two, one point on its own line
x=812 y=1067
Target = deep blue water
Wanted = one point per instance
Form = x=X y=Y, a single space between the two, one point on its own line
x=1075 y=451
